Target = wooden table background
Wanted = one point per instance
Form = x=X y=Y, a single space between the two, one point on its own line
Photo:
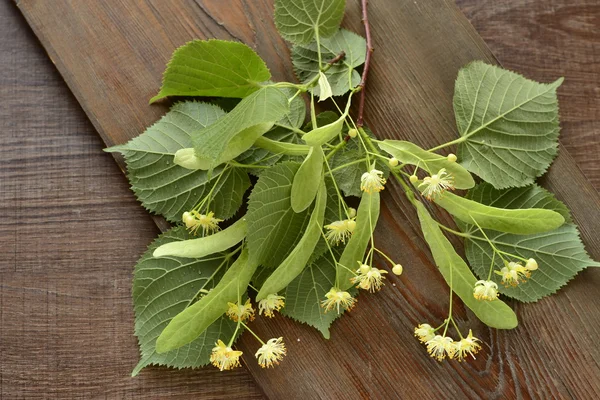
x=72 y=230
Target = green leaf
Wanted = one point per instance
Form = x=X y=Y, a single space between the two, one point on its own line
x=307 y=180
x=168 y=189
x=366 y=220
x=518 y=221
x=276 y=146
x=304 y=294
x=205 y=246
x=560 y=253
x=457 y=273
x=300 y=21
x=266 y=105
x=295 y=262
x=162 y=288
x=410 y=153
x=274 y=228
x=213 y=68
x=342 y=76
x=297 y=114
x=509 y=124
x=195 y=319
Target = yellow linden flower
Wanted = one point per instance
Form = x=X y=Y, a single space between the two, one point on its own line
x=372 y=181
x=440 y=347
x=513 y=273
x=336 y=298
x=193 y=220
x=424 y=332
x=339 y=231
x=485 y=290
x=368 y=278
x=436 y=184
x=241 y=312
x=271 y=353
x=466 y=345
x=269 y=304
x=224 y=357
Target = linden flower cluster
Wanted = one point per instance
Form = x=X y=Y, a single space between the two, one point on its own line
x=441 y=347
x=193 y=221
x=369 y=278
x=340 y=231
x=513 y=273
x=366 y=277
x=268 y=355
x=433 y=186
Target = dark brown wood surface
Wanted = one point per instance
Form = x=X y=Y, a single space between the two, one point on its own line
x=70 y=232
x=112 y=56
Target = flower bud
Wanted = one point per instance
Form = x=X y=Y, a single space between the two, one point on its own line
x=352 y=133
x=397 y=270
x=393 y=162
x=531 y=264
x=351 y=225
x=451 y=157
x=414 y=178
x=364 y=268
x=351 y=212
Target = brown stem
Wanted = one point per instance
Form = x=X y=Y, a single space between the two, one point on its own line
x=363 y=81
x=337 y=58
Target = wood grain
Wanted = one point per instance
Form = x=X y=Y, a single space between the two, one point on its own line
x=552 y=38
x=112 y=57
x=71 y=232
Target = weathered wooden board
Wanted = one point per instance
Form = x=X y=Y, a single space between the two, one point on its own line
x=70 y=232
x=552 y=38
x=112 y=55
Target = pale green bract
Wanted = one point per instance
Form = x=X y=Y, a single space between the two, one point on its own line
x=508 y=124
x=168 y=189
x=274 y=228
x=410 y=153
x=264 y=106
x=299 y=21
x=307 y=180
x=559 y=253
x=457 y=273
x=190 y=323
x=213 y=68
x=366 y=220
x=518 y=221
x=162 y=288
x=205 y=246
x=243 y=141
x=295 y=262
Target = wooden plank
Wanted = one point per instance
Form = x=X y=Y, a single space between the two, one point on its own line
x=543 y=38
x=70 y=233
x=112 y=57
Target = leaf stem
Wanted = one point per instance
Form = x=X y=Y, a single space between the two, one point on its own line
x=363 y=81
x=450 y=143
x=252 y=332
